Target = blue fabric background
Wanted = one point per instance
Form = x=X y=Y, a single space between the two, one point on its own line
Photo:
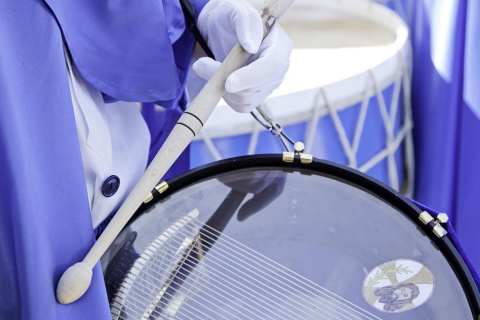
x=446 y=105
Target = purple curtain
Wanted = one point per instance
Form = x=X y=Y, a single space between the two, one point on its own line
x=446 y=107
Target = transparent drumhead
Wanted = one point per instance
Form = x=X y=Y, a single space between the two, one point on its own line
x=293 y=244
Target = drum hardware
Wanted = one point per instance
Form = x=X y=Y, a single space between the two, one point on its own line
x=277 y=131
x=438 y=229
x=269 y=124
x=298 y=152
x=159 y=188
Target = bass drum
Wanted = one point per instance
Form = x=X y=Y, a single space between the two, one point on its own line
x=257 y=237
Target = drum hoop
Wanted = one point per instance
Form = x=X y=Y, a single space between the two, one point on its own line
x=339 y=172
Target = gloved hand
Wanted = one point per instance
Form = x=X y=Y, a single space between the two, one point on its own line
x=225 y=23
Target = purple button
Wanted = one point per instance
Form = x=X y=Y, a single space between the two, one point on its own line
x=110 y=186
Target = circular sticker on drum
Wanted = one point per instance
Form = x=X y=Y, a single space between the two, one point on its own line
x=398 y=286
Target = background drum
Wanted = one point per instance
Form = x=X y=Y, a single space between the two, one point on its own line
x=306 y=241
x=346 y=95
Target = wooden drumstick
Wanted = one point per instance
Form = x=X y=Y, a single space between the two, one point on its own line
x=76 y=280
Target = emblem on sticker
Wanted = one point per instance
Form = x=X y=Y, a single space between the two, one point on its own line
x=398 y=286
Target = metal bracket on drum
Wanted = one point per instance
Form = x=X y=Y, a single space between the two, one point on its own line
x=160 y=188
x=298 y=152
x=438 y=229
x=277 y=130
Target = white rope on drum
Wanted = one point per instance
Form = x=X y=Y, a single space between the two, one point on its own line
x=349 y=153
x=389 y=128
x=312 y=124
x=384 y=153
x=361 y=120
x=210 y=145
x=351 y=149
x=388 y=117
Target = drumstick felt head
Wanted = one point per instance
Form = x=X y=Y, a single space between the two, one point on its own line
x=74 y=283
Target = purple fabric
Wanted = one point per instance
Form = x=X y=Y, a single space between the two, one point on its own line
x=102 y=35
x=162 y=116
x=45 y=223
x=446 y=105
x=435 y=106
x=467 y=202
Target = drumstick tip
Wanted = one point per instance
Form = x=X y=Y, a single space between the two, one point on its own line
x=74 y=283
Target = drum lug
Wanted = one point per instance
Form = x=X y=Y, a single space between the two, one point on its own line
x=160 y=188
x=442 y=218
x=304 y=157
x=425 y=217
x=438 y=229
x=288 y=157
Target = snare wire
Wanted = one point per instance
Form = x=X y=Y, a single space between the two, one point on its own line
x=279 y=315
x=330 y=316
x=264 y=315
x=288 y=284
x=260 y=264
x=139 y=297
x=227 y=281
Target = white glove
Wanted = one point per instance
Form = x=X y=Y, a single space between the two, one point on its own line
x=225 y=23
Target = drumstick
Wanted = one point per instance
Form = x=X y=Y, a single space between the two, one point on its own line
x=76 y=280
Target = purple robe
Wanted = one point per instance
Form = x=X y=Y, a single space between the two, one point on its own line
x=122 y=48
